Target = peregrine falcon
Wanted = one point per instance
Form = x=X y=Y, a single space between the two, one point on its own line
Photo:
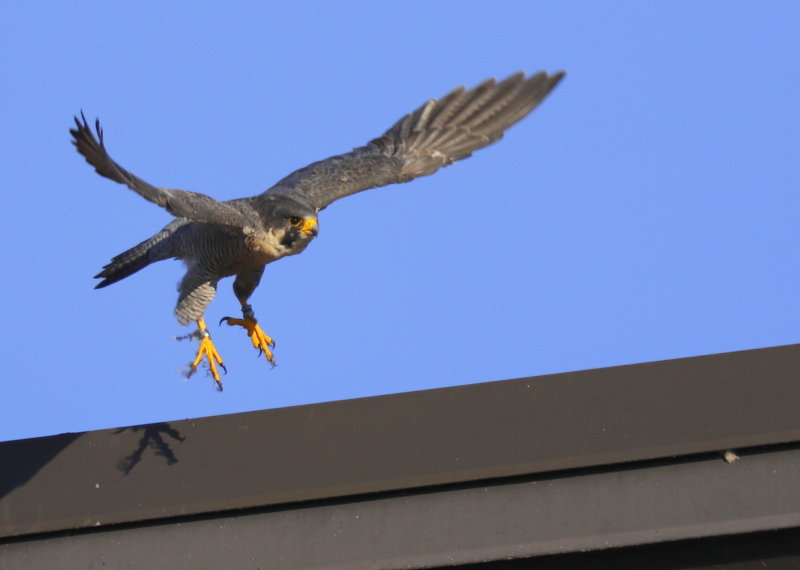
x=240 y=237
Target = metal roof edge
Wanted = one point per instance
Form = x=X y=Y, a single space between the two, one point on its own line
x=497 y=429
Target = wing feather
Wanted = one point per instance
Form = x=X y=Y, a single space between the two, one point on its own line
x=180 y=203
x=435 y=135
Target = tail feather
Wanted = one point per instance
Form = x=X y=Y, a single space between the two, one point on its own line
x=130 y=261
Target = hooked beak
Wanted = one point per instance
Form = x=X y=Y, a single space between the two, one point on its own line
x=310 y=227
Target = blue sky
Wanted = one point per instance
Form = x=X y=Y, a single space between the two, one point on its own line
x=647 y=210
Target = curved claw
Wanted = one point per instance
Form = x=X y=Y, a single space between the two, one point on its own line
x=223 y=319
x=207 y=351
x=258 y=337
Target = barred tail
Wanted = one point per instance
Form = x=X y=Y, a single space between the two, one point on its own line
x=130 y=261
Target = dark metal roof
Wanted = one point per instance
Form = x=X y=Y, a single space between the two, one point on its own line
x=529 y=517
x=582 y=460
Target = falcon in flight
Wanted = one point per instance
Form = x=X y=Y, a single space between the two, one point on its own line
x=240 y=237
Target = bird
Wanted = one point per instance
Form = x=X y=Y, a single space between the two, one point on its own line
x=238 y=238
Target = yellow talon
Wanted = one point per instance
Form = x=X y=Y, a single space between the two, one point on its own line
x=208 y=351
x=259 y=338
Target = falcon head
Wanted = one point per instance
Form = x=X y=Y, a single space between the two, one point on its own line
x=292 y=223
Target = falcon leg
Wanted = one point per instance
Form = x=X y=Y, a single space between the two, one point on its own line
x=207 y=351
x=259 y=338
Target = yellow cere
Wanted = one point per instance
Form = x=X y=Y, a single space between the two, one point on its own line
x=309 y=226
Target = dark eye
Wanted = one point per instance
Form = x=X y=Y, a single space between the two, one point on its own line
x=295 y=221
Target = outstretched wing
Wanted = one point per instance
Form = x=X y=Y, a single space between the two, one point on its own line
x=435 y=135
x=192 y=205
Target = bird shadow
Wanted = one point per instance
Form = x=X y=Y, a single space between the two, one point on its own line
x=153 y=437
